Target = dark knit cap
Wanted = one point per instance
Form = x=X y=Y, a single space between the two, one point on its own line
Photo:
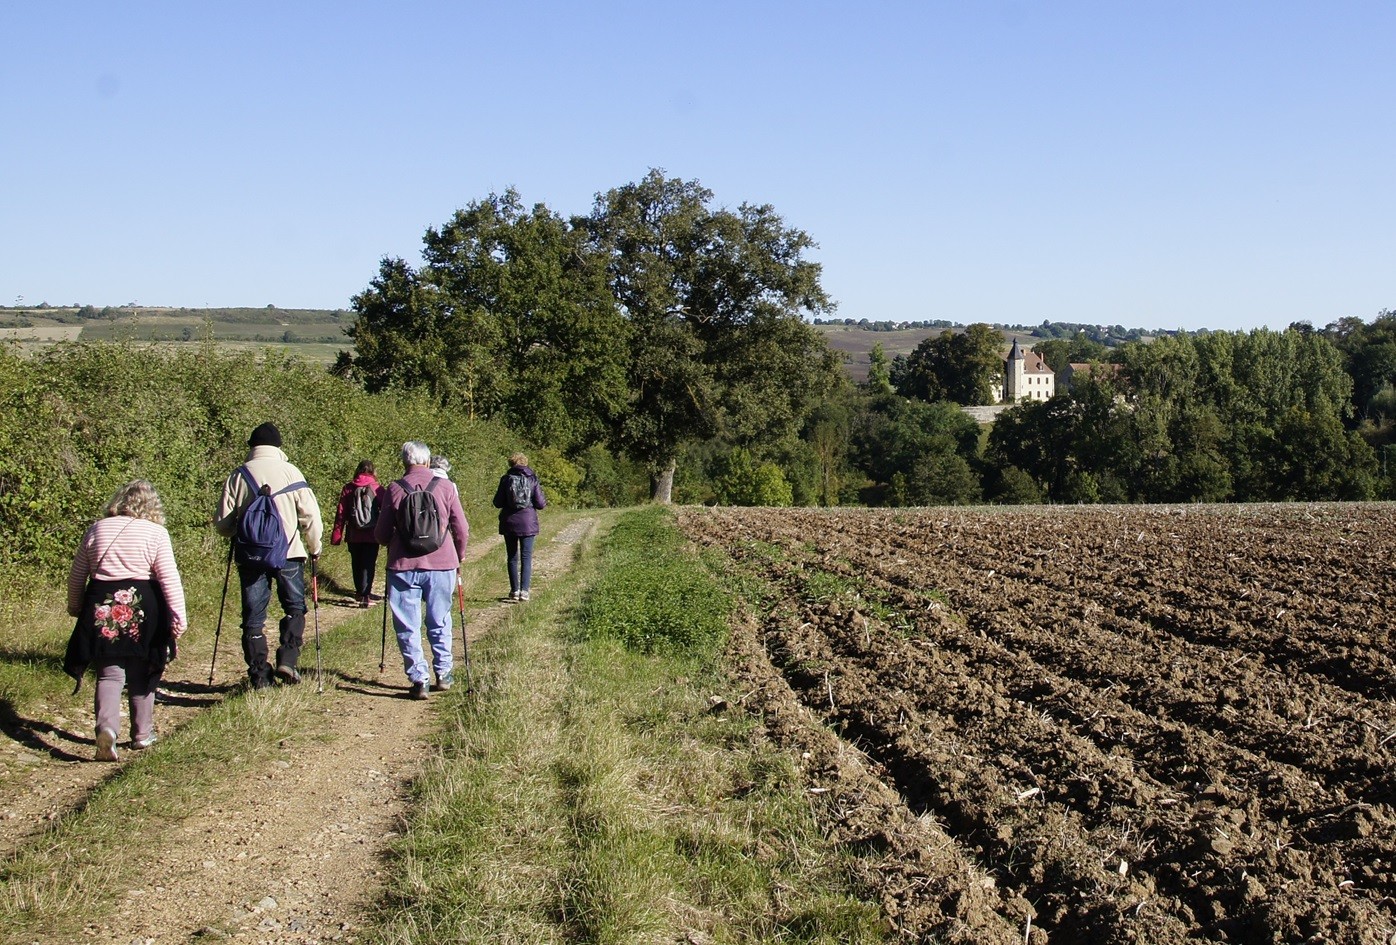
x=265 y=435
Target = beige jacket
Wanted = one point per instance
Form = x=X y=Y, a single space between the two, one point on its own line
x=300 y=511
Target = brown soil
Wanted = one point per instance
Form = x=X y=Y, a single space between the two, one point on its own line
x=1095 y=725
x=292 y=849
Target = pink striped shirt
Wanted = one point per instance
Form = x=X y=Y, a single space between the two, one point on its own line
x=124 y=548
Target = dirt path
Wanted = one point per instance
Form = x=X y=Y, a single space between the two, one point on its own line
x=292 y=849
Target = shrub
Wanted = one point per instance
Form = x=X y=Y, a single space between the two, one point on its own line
x=79 y=420
x=655 y=596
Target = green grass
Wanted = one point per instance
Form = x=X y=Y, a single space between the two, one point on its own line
x=589 y=793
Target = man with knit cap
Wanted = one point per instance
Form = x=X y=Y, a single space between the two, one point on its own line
x=269 y=472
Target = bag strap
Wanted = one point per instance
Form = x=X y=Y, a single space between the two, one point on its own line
x=103 y=556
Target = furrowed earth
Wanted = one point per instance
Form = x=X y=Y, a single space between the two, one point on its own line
x=1093 y=724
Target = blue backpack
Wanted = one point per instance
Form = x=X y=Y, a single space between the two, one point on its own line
x=261 y=535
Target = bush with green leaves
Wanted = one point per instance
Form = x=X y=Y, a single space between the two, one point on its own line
x=656 y=596
x=77 y=421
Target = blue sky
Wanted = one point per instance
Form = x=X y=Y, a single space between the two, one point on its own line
x=1222 y=165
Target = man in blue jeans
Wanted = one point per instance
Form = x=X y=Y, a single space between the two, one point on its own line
x=422 y=568
x=267 y=466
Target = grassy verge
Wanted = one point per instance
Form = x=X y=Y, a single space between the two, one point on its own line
x=596 y=788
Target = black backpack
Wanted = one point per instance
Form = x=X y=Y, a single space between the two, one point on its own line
x=519 y=491
x=419 y=522
x=363 y=507
x=261 y=535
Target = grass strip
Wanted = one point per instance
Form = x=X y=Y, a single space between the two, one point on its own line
x=595 y=789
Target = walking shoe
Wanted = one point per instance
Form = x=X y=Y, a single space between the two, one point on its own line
x=288 y=675
x=418 y=691
x=444 y=683
x=364 y=602
x=260 y=682
x=146 y=742
x=523 y=595
x=106 y=745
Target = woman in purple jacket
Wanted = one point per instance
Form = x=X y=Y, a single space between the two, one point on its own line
x=518 y=498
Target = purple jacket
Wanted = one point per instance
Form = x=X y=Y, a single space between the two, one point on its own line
x=519 y=523
x=448 y=556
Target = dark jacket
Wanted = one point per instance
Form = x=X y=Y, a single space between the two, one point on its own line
x=152 y=639
x=519 y=523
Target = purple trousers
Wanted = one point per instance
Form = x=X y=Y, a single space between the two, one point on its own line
x=134 y=676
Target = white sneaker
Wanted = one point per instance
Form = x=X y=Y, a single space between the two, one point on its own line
x=523 y=595
x=106 y=745
x=139 y=743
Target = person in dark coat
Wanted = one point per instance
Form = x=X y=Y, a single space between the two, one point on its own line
x=363 y=546
x=519 y=498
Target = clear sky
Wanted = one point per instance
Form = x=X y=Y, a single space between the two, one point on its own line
x=1224 y=164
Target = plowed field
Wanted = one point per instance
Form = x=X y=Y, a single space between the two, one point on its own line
x=1093 y=725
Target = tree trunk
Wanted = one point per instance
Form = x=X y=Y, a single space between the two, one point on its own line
x=662 y=483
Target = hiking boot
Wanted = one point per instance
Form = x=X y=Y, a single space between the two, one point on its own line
x=139 y=743
x=444 y=683
x=260 y=682
x=288 y=675
x=106 y=745
x=418 y=691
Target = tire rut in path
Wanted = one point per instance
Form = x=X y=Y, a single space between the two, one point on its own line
x=293 y=849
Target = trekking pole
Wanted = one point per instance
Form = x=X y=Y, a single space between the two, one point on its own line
x=227 y=573
x=315 y=597
x=464 y=640
x=383 y=650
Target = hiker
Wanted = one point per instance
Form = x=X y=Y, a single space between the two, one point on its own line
x=424 y=527
x=274 y=555
x=125 y=591
x=354 y=519
x=440 y=467
x=518 y=498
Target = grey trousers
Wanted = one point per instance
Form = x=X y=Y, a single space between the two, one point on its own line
x=134 y=676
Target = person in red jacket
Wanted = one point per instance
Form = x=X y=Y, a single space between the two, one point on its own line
x=354 y=519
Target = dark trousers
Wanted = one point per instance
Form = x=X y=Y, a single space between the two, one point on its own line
x=363 y=560
x=256 y=584
x=518 y=555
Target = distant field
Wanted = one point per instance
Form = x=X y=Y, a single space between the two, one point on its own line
x=856 y=344
x=49 y=333
x=318 y=334
x=313 y=334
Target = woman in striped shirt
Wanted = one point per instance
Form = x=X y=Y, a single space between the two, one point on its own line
x=125 y=590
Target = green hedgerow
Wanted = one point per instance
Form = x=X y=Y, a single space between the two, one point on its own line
x=655 y=595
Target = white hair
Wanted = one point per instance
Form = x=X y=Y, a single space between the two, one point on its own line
x=415 y=453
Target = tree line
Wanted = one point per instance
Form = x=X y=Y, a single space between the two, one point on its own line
x=662 y=334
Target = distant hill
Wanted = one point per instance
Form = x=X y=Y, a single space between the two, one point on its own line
x=315 y=334
x=855 y=340
x=318 y=334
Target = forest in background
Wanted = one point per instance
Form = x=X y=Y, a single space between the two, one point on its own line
x=667 y=345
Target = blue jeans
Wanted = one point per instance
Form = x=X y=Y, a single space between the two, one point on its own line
x=256 y=584
x=519 y=550
x=406 y=592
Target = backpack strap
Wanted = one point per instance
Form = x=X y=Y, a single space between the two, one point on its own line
x=299 y=484
x=251 y=483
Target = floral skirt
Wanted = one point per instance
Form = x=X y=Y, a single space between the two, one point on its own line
x=120 y=620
